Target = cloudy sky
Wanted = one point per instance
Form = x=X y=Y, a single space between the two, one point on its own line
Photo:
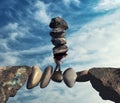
x=93 y=39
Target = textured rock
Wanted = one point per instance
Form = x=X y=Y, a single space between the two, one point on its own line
x=57 y=76
x=12 y=78
x=58 y=33
x=45 y=79
x=58 y=22
x=60 y=49
x=107 y=82
x=58 y=41
x=69 y=77
x=34 y=78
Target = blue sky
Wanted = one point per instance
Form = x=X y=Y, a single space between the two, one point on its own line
x=92 y=38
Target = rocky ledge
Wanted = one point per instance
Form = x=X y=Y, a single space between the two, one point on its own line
x=12 y=78
x=107 y=82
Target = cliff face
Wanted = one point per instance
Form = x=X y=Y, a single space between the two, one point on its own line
x=12 y=78
x=107 y=82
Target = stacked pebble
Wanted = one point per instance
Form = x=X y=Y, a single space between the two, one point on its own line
x=58 y=26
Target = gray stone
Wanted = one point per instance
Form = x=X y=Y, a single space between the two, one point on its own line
x=58 y=22
x=69 y=77
x=57 y=76
x=45 y=79
x=58 y=41
x=60 y=49
x=57 y=33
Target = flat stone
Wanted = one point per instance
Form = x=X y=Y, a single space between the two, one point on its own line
x=82 y=76
x=45 y=79
x=57 y=76
x=60 y=49
x=34 y=78
x=58 y=41
x=58 y=22
x=57 y=33
x=69 y=77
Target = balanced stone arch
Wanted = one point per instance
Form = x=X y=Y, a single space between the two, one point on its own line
x=105 y=80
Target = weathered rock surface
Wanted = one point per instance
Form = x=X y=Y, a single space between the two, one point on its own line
x=107 y=82
x=34 y=78
x=12 y=78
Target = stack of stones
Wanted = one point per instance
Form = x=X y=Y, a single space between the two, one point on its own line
x=58 y=32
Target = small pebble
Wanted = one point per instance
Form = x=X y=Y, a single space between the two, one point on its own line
x=58 y=41
x=60 y=49
x=57 y=76
x=57 y=33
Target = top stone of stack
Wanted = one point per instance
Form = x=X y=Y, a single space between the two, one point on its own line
x=58 y=22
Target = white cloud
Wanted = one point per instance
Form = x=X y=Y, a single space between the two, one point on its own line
x=14 y=30
x=68 y=2
x=107 y=4
x=11 y=26
x=97 y=41
x=8 y=59
x=41 y=13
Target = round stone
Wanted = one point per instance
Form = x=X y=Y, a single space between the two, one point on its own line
x=34 y=78
x=57 y=33
x=45 y=79
x=60 y=49
x=58 y=41
x=57 y=76
x=69 y=77
x=58 y=22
